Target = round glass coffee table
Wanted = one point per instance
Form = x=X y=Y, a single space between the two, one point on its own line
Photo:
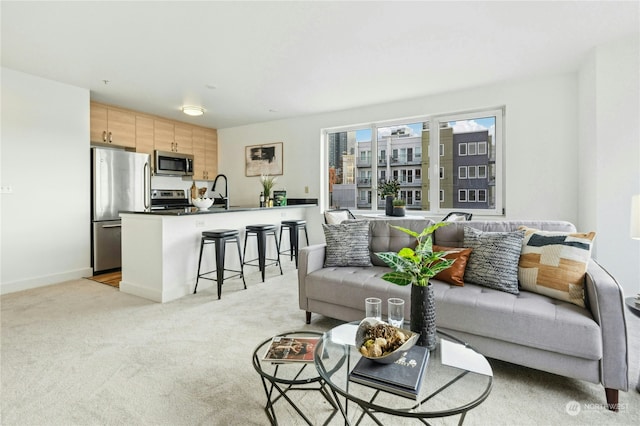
x=457 y=379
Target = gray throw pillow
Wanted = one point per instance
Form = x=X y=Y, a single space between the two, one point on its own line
x=347 y=244
x=494 y=260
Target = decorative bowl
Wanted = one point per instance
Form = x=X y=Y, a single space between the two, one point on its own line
x=202 y=203
x=391 y=357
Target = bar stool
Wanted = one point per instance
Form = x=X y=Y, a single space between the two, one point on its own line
x=220 y=238
x=261 y=231
x=294 y=227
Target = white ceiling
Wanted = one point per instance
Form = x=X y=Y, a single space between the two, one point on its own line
x=270 y=60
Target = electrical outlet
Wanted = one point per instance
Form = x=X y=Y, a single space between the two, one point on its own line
x=199 y=223
x=6 y=189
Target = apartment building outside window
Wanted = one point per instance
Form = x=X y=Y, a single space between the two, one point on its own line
x=468 y=162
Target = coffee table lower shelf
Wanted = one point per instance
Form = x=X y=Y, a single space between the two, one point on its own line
x=278 y=379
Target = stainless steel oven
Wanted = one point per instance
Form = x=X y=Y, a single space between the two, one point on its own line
x=169 y=199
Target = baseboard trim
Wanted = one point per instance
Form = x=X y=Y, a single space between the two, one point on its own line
x=136 y=290
x=44 y=280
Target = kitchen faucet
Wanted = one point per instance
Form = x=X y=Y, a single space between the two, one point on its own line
x=226 y=190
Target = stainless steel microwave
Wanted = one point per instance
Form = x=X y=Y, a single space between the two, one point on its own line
x=173 y=164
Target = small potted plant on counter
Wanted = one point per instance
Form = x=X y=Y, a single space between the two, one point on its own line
x=388 y=191
x=267 y=185
x=398 y=207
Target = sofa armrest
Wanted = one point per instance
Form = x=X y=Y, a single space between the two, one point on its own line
x=605 y=299
x=310 y=259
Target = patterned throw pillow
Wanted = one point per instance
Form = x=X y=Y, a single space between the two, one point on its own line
x=347 y=244
x=554 y=263
x=455 y=273
x=494 y=260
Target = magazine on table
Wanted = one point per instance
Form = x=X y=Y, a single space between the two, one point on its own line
x=291 y=349
x=403 y=377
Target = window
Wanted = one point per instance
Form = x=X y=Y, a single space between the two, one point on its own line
x=482 y=148
x=471 y=148
x=454 y=159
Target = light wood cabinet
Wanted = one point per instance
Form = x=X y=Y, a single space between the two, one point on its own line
x=183 y=138
x=144 y=135
x=205 y=153
x=147 y=133
x=112 y=126
x=172 y=137
x=199 y=172
x=163 y=135
x=211 y=153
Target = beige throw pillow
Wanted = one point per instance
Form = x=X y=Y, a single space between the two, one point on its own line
x=554 y=263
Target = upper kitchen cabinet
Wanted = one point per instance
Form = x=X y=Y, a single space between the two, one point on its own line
x=211 y=152
x=112 y=126
x=163 y=135
x=144 y=134
x=205 y=153
x=183 y=138
x=172 y=137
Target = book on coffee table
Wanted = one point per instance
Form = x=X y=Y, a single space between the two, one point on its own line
x=403 y=377
x=291 y=349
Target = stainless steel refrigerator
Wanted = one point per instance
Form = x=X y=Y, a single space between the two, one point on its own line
x=120 y=181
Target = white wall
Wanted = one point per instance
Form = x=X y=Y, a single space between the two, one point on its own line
x=541 y=142
x=610 y=155
x=571 y=148
x=45 y=159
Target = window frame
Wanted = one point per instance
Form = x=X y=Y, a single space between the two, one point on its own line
x=432 y=168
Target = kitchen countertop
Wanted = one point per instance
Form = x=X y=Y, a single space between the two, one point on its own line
x=188 y=211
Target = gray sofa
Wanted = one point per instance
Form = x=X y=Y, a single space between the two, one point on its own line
x=528 y=329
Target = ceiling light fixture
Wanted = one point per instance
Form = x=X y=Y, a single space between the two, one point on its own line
x=193 y=111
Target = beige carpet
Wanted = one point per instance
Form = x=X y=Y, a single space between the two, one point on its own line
x=82 y=353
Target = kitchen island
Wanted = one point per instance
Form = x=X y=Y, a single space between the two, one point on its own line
x=160 y=248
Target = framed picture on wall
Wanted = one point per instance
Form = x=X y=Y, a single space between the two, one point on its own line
x=265 y=159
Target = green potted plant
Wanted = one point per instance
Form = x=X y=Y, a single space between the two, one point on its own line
x=416 y=267
x=268 y=183
x=388 y=190
x=398 y=207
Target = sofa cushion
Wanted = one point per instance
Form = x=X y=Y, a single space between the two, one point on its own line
x=351 y=285
x=527 y=318
x=385 y=238
x=554 y=263
x=455 y=273
x=347 y=244
x=494 y=260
